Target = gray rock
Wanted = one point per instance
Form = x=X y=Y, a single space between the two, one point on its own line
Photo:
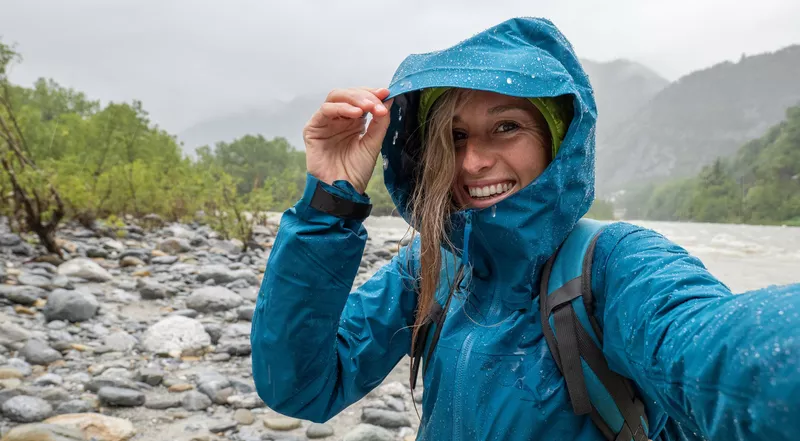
x=395 y=404
x=26 y=409
x=233 y=246
x=214 y=331
x=180 y=231
x=246 y=313
x=217 y=388
x=176 y=335
x=143 y=255
x=368 y=432
x=120 y=341
x=221 y=275
x=57 y=325
x=73 y=306
x=316 y=431
x=129 y=261
x=62 y=282
x=279 y=437
x=382 y=254
x=385 y=418
x=118 y=372
x=38 y=352
x=98 y=383
x=191 y=313
x=60 y=336
x=219 y=357
x=164 y=260
x=11 y=333
x=7 y=394
x=213 y=299
x=44 y=432
x=151 y=376
x=218 y=426
x=24 y=295
x=54 y=395
x=9 y=240
x=236 y=330
x=246 y=401
x=85 y=269
x=175 y=245
x=163 y=401
x=242 y=386
x=152 y=290
x=238 y=347
x=96 y=252
x=244 y=417
x=49 y=380
x=115 y=396
x=37 y=280
x=74 y=406
x=112 y=245
x=194 y=400
x=281 y=423
x=20 y=365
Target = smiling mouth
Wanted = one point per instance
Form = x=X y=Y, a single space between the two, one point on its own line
x=489 y=192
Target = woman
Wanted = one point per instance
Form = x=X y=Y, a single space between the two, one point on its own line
x=488 y=150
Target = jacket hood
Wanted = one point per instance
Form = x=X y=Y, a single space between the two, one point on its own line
x=524 y=57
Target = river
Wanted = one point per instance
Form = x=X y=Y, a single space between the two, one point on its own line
x=745 y=257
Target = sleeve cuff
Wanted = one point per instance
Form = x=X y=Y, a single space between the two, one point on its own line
x=340 y=188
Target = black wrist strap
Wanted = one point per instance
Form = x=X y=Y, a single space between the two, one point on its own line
x=337 y=206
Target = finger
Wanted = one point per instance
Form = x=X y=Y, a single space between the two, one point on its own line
x=340 y=110
x=366 y=100
x=373 y=138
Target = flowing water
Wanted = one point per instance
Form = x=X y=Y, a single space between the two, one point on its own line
x=745 y=257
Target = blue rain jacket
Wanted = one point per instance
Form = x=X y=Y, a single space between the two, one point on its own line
x=707 y=363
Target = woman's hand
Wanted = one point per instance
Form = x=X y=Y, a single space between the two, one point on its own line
x=337 y=145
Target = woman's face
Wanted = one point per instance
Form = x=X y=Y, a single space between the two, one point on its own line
x=502 y=145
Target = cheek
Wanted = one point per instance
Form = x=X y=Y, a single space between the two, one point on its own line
x=526 y=161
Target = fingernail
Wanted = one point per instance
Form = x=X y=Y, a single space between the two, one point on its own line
x=380 y=108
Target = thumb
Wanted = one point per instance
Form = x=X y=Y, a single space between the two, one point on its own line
x=373 y=138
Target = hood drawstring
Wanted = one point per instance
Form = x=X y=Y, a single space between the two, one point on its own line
x=467 y=234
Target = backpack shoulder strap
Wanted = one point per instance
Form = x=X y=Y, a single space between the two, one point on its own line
x=575 y=340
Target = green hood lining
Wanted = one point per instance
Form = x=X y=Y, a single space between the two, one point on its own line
x=552 y=108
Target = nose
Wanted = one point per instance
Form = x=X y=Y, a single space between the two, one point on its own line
x=476 y=158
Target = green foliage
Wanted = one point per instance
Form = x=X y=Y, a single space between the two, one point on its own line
x=382 y=204
x=601 y=210
x=760 y=185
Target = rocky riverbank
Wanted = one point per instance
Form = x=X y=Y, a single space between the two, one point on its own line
x=144 y=335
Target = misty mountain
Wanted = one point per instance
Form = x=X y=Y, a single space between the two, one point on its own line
x=621 y=87
x=698 y=118
x=284 y=119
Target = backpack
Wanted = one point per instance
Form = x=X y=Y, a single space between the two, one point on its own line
x=574 y=338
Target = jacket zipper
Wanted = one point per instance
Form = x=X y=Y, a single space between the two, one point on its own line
x=466 y=348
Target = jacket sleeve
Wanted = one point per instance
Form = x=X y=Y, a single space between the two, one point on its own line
x=724 y=366
x=316 y=347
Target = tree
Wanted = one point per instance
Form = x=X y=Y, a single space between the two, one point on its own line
x=32 y=192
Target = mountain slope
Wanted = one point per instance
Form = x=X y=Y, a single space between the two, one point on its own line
x=702 y=116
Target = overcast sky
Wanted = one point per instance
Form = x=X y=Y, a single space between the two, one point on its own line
x=188 y=60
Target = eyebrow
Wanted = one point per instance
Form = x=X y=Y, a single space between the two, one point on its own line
x=498 y=110
x=505 y=108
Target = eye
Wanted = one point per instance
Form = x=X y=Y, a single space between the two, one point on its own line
x=459 y=136
x=507 y=126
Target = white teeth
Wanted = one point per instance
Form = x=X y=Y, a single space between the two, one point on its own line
x=489 y=190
